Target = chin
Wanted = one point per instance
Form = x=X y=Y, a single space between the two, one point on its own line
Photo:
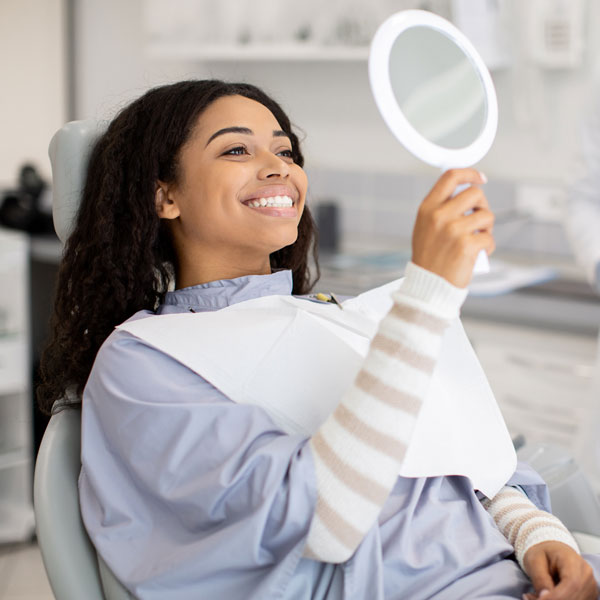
x=283 y=241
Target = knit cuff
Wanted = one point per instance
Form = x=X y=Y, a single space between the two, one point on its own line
x=545 y=533
x=430 y=292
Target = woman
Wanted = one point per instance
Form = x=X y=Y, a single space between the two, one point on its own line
x=187 y=494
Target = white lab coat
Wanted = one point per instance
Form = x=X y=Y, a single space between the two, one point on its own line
x=582 y=218
x=582 y=222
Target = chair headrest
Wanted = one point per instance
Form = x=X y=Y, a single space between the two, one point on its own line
x=69 y=155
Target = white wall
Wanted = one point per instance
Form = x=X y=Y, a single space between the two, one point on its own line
x=331 y=102
x=33 y=98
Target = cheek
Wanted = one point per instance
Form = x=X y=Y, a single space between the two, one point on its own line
x=301 y=182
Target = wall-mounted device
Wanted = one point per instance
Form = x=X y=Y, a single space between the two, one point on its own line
x=555 y=32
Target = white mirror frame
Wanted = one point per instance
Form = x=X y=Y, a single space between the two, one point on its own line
x=381 y=86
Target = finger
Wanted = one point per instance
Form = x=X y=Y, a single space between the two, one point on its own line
x=481 y=220
x=538 y=570
x=473 y=198
x=484 y=241
x=463 y=228
x=569 y=584
x=474 y=243
x=541 y=596
x=574 y=588
x=446 y=185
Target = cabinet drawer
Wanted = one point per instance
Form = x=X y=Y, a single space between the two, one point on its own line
x=543 y=381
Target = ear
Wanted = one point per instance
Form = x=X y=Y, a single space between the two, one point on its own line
x=166 y=207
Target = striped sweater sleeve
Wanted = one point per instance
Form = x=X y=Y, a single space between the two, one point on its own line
x=523 y=524
x=359 y=449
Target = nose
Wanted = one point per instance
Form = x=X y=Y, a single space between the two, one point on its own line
x=273 y=167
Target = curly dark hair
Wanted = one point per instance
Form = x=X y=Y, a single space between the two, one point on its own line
x=119 y=258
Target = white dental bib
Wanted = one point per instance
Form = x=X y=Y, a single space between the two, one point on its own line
x=295 y=359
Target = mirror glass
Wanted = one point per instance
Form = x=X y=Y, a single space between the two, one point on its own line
x=437 y=87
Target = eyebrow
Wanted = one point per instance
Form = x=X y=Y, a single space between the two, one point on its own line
x=244 y=131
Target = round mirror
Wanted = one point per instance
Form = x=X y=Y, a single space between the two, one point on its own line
x=433 y=89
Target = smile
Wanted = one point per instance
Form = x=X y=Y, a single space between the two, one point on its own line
x=272 y=201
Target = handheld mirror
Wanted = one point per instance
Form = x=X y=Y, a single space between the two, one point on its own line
x=434 y=92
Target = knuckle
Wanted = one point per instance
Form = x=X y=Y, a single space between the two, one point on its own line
x=422 y=212
x=437 y=220
x=452 y=229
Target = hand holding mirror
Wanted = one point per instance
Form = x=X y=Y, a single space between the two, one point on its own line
x=434 y=92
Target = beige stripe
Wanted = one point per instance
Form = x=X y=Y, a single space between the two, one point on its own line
x=420 y=318
x=386 y=444
x=511 y=507
x=504 y=495
x=512 y=529
x=532 y=527
x=363 y=486
x=509 y=492
x=343 y=531
x=387 y=394
x=401 y=352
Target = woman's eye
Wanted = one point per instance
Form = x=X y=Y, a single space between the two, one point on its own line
x=237 y=151
x=286 y=153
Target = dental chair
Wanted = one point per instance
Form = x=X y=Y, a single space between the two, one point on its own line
x=74 y=569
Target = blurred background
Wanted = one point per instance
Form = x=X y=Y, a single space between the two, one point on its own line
x=533 y=320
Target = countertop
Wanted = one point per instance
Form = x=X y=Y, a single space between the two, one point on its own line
x=565 y=303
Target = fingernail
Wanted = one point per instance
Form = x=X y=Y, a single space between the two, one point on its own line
x=543 y=593
x=483 y=177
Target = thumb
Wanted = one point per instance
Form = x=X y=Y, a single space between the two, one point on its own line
x=538 y=570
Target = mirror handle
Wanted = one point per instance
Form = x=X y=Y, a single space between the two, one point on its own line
x=482 y=263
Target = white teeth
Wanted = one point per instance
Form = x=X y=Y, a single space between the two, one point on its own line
x=275 y=201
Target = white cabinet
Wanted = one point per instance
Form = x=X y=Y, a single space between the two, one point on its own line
x=16 y=509
x=542 y=379
x=237 y=30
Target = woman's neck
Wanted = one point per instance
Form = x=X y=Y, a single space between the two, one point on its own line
x=194 y=273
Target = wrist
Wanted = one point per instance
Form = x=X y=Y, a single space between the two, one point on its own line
x=537 y=539
x=431 y=292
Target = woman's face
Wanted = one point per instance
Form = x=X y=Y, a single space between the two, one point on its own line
x=239 y=195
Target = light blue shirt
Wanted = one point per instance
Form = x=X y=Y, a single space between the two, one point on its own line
x=187 y=495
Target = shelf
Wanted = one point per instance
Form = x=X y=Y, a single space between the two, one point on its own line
x=257 y=52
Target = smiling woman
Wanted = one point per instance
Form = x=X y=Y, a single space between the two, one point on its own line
x=194 y=486
x=165 y=154
x=240 y=195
